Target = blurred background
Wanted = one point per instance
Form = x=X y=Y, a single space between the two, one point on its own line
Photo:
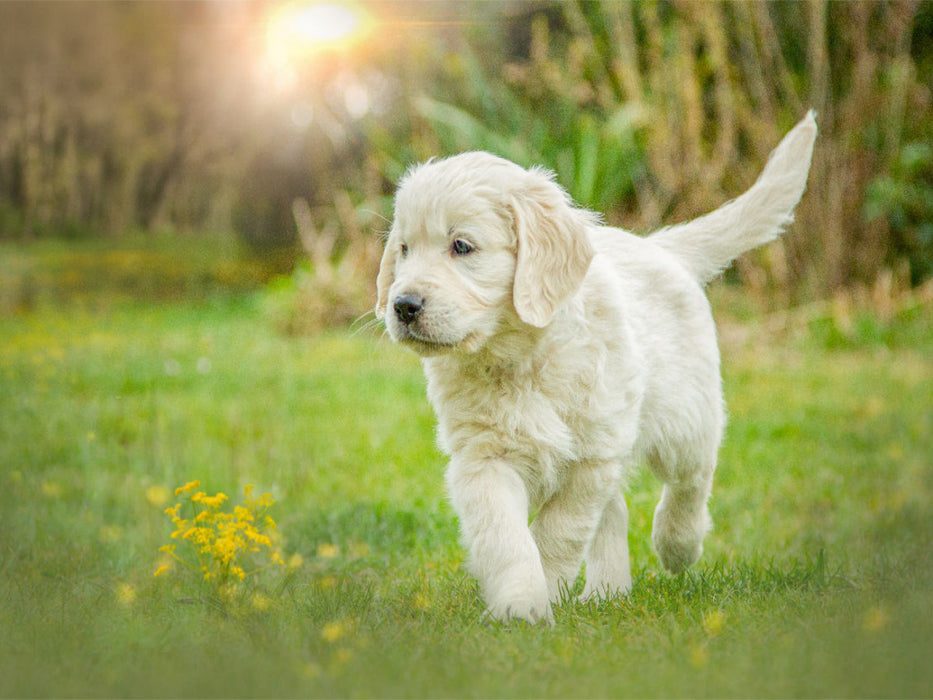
x=170 y=147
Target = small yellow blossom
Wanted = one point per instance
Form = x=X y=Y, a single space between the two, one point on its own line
x=261 y=602
x=126 y=594
x=212 y=502
x=187 y=488
x=327 y=551
x=333 y=631
x=51 y=489
x=875 y=619
x=698 y=655
x=157 y=496
x=713 y=622
x=162 y=570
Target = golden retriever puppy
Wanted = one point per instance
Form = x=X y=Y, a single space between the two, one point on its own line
x=559 y=354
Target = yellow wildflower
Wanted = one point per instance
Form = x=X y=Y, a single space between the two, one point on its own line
x=258 y=538
x=190 y=486
x=333 y=631
x=261 y=602
x=164 y=569
x=875 y=619
x=242 y=514
x=698 y=655
x=126 y=594
x=212 y=502
x=713 y=622
x=224 y=549
x=327 y=551
x=157 y=495
x=228 y=547
x=51 y=489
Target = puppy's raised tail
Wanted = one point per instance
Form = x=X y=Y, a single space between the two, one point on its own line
x=707 y=245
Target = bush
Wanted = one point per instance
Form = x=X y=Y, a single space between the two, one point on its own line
x=336 y=286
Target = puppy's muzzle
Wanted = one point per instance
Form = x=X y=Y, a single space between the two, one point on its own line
x=408 y=307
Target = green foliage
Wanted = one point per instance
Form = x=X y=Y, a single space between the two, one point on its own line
x=306 y=301
x=654 y=113
x=535 y=114
x=141 y=116
x=903 y=199
x=815 y=581
x=143 y=267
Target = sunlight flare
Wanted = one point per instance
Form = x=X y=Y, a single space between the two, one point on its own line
x=298 y=30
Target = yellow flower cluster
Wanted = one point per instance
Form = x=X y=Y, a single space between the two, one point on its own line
x=225 y=543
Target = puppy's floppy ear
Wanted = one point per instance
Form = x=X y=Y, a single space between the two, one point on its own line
x=386 y=277
x=554 y=250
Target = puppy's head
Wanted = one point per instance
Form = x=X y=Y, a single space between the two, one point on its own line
x=475 y=240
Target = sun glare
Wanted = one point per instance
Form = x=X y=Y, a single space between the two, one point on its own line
x=324 y=24
x=300 y=29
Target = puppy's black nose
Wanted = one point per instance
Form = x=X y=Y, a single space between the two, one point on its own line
x=407 y=307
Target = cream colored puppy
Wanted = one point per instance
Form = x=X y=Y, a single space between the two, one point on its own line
x=560 y=353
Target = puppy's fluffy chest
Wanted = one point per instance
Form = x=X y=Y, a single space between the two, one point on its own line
x=517 y=403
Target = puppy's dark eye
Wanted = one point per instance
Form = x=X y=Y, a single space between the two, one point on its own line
x=460 y=247
x=404 y=250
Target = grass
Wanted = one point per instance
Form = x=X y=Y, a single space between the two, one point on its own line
x=816 y=581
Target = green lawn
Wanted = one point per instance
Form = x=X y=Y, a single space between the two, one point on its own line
x=815 y=582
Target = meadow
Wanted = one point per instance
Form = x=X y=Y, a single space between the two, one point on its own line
x=116 y=387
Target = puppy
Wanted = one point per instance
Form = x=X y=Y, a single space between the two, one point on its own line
x=559 y=354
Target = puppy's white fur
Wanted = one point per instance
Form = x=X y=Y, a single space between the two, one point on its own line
x=558 y=354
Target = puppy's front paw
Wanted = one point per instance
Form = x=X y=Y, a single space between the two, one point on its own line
x=528 y=603
x=521 y=612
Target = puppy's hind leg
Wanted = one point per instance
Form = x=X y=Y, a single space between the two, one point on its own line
x=681 y=522
x=681 y=519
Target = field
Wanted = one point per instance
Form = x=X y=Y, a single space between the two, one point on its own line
x=113 y=392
